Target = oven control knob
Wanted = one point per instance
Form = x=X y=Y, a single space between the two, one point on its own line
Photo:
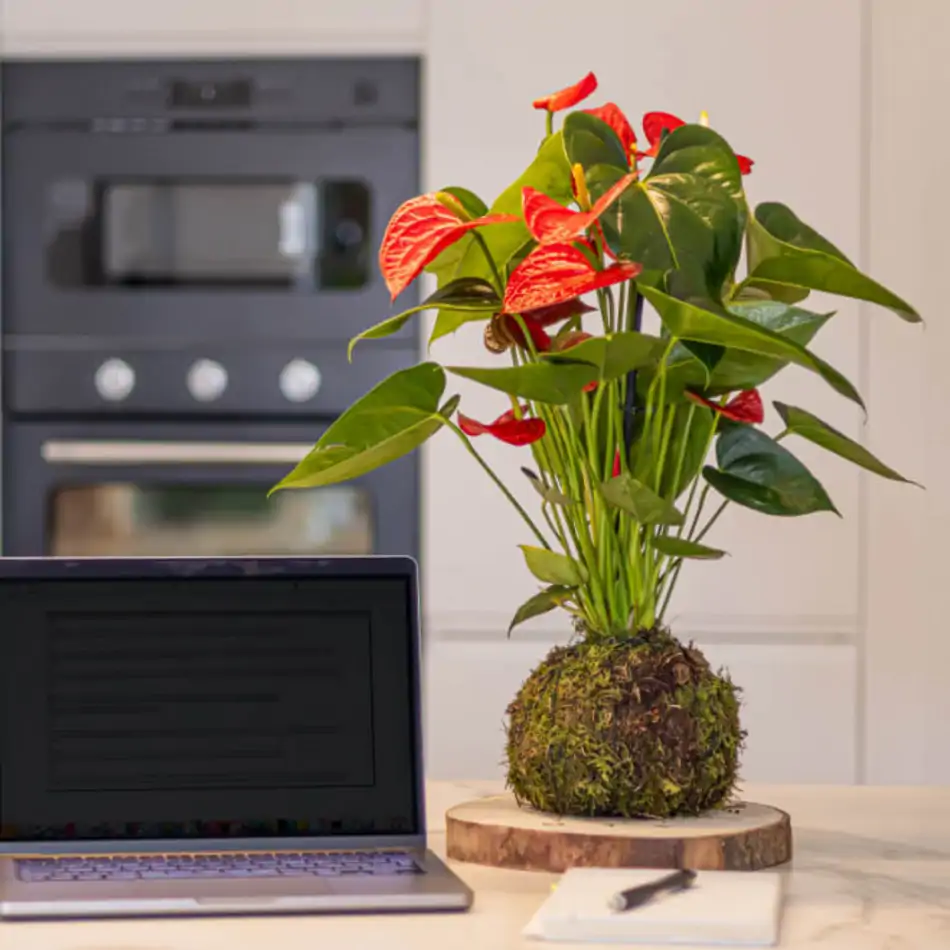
x=299 y=381
x=207 y=380
x=115 y=380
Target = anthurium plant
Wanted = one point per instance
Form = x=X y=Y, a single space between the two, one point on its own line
x=634 y=442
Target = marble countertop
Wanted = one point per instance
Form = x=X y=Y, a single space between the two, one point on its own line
x=871 y=872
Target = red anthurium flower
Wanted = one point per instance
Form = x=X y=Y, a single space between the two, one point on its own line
x=551 y=223
x=612 y=114
x=420 y=230
x=615 y=471
x=656 y=123
x=506 y=428
x=746 y=407
x=565 y=98
x=557 y=272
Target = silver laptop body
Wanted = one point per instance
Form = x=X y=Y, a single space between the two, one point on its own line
x=121 y=712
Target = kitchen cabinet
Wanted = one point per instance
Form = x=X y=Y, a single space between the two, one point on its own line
x=242 y=27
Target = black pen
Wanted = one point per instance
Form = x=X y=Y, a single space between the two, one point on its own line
x=642 y=894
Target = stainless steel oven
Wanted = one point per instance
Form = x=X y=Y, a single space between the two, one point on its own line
x=187 y=248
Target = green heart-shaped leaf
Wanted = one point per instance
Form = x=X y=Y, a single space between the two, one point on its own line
x=614 y=354
x=758 y=473
x=553 y=567
x=738 y=369
x=645 y=505
x=589 y=141
x=466 y=294
x=554 y=383
x=804 y=424
x=688 y=213
x=680 y=547
x=542 y=603
x=784 y=252
x=703 y=320
x=388 y=422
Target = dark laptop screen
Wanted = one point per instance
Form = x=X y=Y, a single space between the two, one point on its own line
x=206 y=707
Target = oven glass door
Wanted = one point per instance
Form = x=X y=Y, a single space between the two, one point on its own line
x=172 y=493
x=253 y=232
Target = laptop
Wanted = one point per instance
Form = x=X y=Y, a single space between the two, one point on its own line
x=212 y=736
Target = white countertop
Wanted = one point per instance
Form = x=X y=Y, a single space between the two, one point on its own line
x=871 y=872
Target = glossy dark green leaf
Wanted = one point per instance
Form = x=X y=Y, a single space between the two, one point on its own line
x=639 y=501
x=757 y=472
x=589 y=141
x=390 y=421
x=688 y=212
x=681 y=547
x=554 y=383
x=786 y=252
x=552 y=567
x=703 y=321
x=543 y=602
x=738 y=369
x=689 y=440
x=802 y=423
x=468 y=295
x=547 y=492
x=614 y=354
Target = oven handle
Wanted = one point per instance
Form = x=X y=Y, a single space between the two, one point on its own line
x=132 y=452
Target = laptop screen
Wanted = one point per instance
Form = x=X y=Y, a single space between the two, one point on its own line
x=207 y=707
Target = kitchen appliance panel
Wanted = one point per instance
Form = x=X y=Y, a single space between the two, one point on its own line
x=179 y=379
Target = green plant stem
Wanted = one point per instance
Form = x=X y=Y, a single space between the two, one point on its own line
x=548 y=122
x=499 y=283
x=501 y=485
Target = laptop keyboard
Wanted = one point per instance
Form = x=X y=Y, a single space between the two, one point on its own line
x=202 y=866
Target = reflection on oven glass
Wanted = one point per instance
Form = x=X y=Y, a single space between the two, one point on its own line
x=120 y=519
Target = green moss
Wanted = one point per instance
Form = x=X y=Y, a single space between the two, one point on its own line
x=624 y=727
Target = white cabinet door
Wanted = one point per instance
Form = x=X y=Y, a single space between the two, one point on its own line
x=907 y=647
x=215 y=26
x=783 y=81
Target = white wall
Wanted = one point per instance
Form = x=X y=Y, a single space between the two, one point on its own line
x=831 y=626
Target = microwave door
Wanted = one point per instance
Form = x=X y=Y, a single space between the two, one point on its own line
x=243 y=233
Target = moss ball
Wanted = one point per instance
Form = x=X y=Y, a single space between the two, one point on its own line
x=636 y=727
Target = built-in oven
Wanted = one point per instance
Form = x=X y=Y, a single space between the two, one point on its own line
x=92 y=489
x=187 y=249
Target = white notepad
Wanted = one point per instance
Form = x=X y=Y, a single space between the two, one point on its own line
x=741 y=908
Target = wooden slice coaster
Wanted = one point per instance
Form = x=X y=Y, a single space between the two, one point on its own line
x=498 y=832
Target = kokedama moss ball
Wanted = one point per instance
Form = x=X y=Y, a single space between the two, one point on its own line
x=638 y=727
